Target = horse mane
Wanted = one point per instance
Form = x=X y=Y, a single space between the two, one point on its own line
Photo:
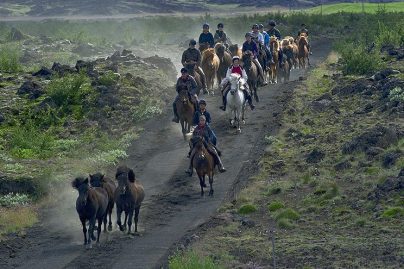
x=219 y=49
x=234 y=76
x=208 y=54
x=131 y=175
x=78 y=181
x=248 y=53
x=285 y=42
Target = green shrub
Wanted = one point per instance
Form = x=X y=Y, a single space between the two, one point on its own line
x=190 y=260
x=388 y=36
x=10 y=59
x=396 y=95
x=14 y=199
x=146 y=109
x=393 y=212
x=247 y=209
x=287 y=213
x=108 y=79
x=285 y=224
x=275 y=205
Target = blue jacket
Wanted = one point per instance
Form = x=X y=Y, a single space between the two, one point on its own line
x=207 y=38
x=251 y=47
x=198 y=113
x=206 y=133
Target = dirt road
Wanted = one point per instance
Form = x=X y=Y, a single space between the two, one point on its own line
x=173 y=205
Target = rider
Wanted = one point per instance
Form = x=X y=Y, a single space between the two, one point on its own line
x=305 y=31
x=266 y=43
x=221 y=36
x=236 y=68
x=193 y=56
x=272 y=31
x=202 y=111
x=250 y=45
x=205 y=131
x=206 y=36
x=185 y=80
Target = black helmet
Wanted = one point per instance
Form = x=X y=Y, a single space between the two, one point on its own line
x=302 y=24
x=261 y=26
x=272 y=23
x=184 y=70
x=192 y=42
x=255 y=26
x=248 y=34
x=202 y=102
x=220 y=25
x=205 y=25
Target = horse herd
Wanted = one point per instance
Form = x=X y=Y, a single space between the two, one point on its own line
x=97 y=197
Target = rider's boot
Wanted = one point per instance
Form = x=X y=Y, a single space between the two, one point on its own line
x=218 y=160
x=176 y=118
x=223 y=107
x=247 y=96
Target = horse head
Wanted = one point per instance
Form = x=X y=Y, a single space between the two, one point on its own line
x=220 y=49
x=198 y=142
x=234 y=83
x=247 y=57
x=96 y=180
x=123 y=176
x=183 y=95
x=82 y=186
x=208 y=54
x=303 y=40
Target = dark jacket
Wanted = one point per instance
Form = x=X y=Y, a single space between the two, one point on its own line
x=191 y=54
x=189 y=82
x=274 y=32
x=206 y=133
x=207 y=38
x=251 y=47
x=198 y=113
x=220 y=36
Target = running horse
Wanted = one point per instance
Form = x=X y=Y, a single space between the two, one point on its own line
x=225 y=61
x=204 y=164
x=252 y=73
x=186 y=110
x=235 y=51
x=236 y=101
x=210 y=65
x=303 y=51
x=274 y=46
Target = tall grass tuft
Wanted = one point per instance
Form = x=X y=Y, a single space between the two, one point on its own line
x=10 y=59
x=190 y=260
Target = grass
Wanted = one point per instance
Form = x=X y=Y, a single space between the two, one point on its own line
x=10 y=59
x=247 y=209
x=190 y=260
x=393 y=212
x=357 y=8
x=275 y=205
x=15 y=219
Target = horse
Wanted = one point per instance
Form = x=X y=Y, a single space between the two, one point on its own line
x=293 y=47
x=91 y=205
x=274 y=45
x=203 y=47
x=236 y=101
x=185 y=110
x=100 y=181
x=284 y=72
x=252 y=73
x=191 y=71
x=128 y=197
x=235 y=50
x=225 y=61
x=210 y=65
x=263 y=60
x=303 y=52
x=204 y=164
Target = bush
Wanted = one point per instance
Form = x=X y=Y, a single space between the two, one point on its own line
x=108 y=79
x=388 y=36
x=190 y=260
x=247 y=209
x=287 y=213
x=14 y=199
x=275 y=205
x=9 y=59
x=285 y=224
x=396 y=95
x=393 y=212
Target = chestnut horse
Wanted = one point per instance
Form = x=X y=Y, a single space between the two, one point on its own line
x=252 y=73
x=204 y=164
x=129 y=196
x=91 y=205
x=210 y=65
x=186 y=110
x=274 y=46
x=303 y=51
x=294 y=49
x=203 y=46
x=225 y=61
x=235 y=51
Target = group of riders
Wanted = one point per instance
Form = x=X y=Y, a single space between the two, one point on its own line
x=255 y=40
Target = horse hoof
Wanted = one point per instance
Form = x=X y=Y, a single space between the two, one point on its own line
x=93 y=238
x=109 y=228
x=239 y=131
x=211 y=193
x=243 y=121
x=89 y=246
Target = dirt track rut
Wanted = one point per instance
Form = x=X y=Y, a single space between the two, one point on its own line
x=173 y=205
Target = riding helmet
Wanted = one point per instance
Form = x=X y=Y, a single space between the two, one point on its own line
x=184 y=70
x=205 y=25
x=248 y=34
x=255 y=26
x=220 y=25
x=235 y=58
x=192 y=42
x=202 y=102
x=261 y=26
x=272 y=23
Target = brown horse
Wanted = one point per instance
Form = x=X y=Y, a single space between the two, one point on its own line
x=91 y=205
x=204 y=164
x=195 y=75
x=203 y=47
x=284 y=72
x=274 y=45
x=186 y=110
x=235 y=51
x=303 y=51
x=210 y=65
x=100 y=181
x=252 y=73
x=129 y=196
x=225 y=61
x=294 y=49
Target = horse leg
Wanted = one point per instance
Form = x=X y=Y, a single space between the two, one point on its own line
x=211 y=184
x=183 y=129
x=99 y=226
x=130 y=216
x=118 y=216
x=83 y=223
x=91 y=231
x=110 y=216
x=137 y=210
x=126 y=218
x=105 y=220
x=238 y=121
x=201 y=182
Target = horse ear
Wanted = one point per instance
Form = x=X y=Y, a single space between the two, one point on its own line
x=75 y=183
x=86 y=181
x=102 y=176
x=90 y=175
x=131 y=175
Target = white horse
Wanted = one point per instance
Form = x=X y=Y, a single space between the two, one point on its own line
x=236 y=100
